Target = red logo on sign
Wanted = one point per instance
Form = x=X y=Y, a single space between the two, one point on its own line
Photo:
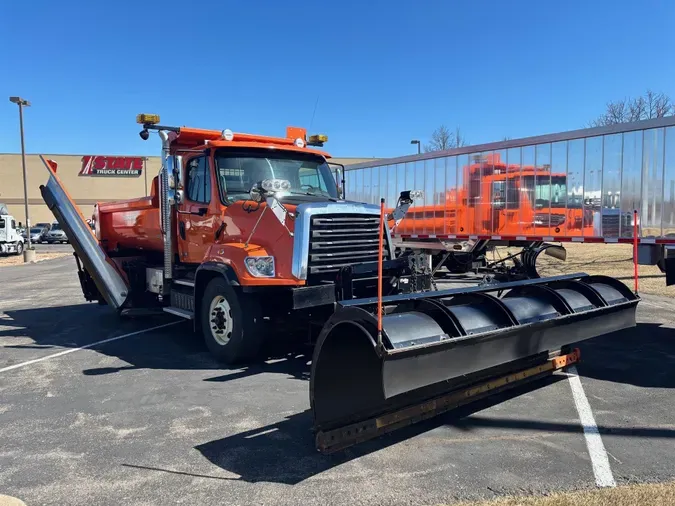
x=111 y=166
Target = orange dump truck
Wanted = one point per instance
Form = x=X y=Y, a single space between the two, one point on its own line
x=242 y=230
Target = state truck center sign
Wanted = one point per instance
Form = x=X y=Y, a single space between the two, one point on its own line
x=112 y=166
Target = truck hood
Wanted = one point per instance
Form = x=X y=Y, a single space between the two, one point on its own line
x=296 y=200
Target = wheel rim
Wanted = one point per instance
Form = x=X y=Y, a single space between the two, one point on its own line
x=220 y=320
x=19 y=248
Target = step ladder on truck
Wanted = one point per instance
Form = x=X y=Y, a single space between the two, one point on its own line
x=240 y=228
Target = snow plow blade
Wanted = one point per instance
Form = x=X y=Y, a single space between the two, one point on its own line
x=441 y=349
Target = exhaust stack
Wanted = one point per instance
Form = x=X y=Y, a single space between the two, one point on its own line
x=166 y=200
x=111 y=283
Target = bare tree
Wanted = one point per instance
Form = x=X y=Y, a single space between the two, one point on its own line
x=460 y=140
x=442 y=139
x=651 y=105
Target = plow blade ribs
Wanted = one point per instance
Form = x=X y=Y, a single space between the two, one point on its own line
x=437 y=342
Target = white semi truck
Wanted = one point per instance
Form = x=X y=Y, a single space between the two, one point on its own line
x=11 y=240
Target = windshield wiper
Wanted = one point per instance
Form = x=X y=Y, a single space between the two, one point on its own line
x=321 y=193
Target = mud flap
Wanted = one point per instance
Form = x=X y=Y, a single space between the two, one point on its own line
x=435 y=342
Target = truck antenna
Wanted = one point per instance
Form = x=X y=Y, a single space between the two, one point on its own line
x=313 y=113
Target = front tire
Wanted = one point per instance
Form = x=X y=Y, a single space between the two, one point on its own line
x=19 y=248
x=231 y=323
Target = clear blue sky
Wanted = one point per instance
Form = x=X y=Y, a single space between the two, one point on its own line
x=384 y=72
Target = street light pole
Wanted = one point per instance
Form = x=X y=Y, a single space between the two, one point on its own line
x=419 y=149
x=21 y=103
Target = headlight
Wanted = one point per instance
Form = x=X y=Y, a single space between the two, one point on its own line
x=260 y=267
x=276 y=185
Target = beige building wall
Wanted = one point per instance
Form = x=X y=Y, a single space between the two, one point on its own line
x=85 y=190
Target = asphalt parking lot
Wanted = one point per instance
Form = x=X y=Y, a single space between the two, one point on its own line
x=51 y=248
x=151 y=419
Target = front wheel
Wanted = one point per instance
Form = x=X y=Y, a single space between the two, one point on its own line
x=231 y=322
x=19 y=248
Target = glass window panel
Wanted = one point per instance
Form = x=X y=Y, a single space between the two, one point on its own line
x=592 y=197
x=451 y=193
x=463 y=211
x=349 y=183
x=400 y=186
x=375 y=186
x=475 y=175
x=669 y=184
x=392 y=185
x=357 y=192
x=428 y=189
x=513 y=160
x=383 y=184
x=652 y=182
x=527 y=189
x=630 y=176
x=575 y=187
x=542 y=189
x=559 y=188
x=367 y=184
x=611 y=186
x=418 y=224
x=436 y=225
x=500 y=188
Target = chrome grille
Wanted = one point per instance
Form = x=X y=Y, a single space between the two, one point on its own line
x=339 y=240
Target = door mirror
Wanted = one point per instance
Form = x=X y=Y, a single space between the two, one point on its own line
x=178 y=169
x=339 y=176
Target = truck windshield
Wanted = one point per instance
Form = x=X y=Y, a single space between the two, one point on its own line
x=238 y=171
x=545 y=193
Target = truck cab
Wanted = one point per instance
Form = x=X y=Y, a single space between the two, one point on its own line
x=11 y=240
x=239 y=231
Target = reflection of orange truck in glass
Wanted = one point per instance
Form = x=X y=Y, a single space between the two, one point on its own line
x=504 y=199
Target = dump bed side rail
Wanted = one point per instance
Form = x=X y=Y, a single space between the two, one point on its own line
x=108 y=278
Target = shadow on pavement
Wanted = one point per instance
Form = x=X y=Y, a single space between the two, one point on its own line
x=643 y=356
x=172 y=347
x=285 y=452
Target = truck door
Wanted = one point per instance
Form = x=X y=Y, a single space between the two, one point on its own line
x=195 y=223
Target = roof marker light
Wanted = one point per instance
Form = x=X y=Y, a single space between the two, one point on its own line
x=299 y=142
x=227 y=134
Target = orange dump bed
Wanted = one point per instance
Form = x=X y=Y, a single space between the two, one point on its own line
x=131 y=224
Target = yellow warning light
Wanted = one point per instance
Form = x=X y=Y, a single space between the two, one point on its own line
x=147 y=119
x=317 y=140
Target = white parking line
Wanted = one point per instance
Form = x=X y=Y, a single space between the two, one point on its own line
x=596 y=449
x=73 y=350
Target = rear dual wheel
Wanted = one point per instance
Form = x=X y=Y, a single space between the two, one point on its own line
x=231 y=322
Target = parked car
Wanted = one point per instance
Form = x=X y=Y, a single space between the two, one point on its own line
x=46 y=226
x=37 y=234
x=56 y=234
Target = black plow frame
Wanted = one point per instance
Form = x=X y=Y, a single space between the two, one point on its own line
x=437 y=342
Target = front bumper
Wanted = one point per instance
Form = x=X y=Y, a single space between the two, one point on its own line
x=360 y=281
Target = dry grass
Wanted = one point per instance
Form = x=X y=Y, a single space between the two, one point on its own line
x=9 y=260
x=615 y=260
x=661 y=494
